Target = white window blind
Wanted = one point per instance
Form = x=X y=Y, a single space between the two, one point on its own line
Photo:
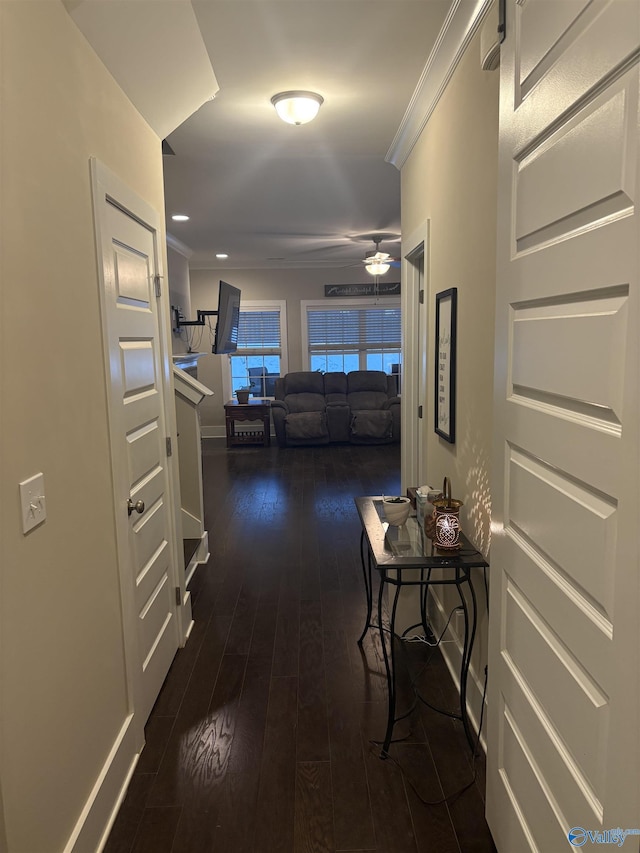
x=371 y=328
x=259 y=331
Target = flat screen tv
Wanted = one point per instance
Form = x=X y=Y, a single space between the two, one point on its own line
x=226 y=337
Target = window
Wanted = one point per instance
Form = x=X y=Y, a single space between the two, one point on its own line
x=260 y=357
x=349 y=337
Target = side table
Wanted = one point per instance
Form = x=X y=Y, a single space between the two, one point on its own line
x=410 y=560
x=254 y=410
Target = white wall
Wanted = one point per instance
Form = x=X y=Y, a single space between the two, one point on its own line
x=450 y=180
x=61 y=665
x=291 y=285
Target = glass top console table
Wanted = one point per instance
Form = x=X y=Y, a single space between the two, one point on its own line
x=404 y=557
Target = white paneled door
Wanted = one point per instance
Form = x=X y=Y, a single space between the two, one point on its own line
x=564 y=657
x=139 y=448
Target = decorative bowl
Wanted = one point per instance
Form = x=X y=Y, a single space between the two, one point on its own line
x=396 y=510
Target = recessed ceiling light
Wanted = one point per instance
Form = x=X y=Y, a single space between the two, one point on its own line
x=180 y=217
x=221 y=256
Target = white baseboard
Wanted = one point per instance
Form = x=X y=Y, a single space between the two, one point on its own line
x=213 y=432
x=92 y=829
x=451 y=650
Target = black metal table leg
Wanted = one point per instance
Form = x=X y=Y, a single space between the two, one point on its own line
x=390 y=664
x=366 y=573
x=467 y=648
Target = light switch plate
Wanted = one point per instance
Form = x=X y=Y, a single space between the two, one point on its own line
x=32 y=501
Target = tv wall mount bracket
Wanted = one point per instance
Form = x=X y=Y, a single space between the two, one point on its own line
x=179 y=320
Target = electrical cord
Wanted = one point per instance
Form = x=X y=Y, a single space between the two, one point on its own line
x=425 y=639
x=448 y=798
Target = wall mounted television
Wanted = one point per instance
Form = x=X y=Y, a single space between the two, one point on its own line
x=226 y=335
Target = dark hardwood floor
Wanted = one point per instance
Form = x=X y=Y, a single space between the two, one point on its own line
x=261 y=739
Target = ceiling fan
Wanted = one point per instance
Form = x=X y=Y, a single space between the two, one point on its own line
x=377 y=262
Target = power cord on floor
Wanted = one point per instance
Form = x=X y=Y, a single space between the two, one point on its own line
x=449 y=797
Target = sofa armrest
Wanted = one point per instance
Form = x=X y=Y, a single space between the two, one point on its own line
x=279 y=411
x=392 y=401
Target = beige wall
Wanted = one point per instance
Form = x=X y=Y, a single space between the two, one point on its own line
x=291 y=285
x=450 y=181
x=179 y=291
x=61 y=664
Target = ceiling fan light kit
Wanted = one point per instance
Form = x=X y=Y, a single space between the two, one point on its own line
x=378 y=263
x=377 y=268
x=297 y=107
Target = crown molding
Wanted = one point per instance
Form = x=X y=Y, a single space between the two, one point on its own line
x=461 y=24
x=178 y=246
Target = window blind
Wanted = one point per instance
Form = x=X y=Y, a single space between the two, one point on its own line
x=354 y=328
x=259 y=330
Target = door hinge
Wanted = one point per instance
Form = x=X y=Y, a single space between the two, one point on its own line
x=419 y=411
x=169 y=447
x=421 y=297
x=178 y=596
x=156 y=281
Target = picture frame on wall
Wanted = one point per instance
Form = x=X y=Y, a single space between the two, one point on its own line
x=445 y=364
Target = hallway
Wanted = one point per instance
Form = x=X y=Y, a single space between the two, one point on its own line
x=260 y=740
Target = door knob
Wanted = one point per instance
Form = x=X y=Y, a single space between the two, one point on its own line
x=138 y=506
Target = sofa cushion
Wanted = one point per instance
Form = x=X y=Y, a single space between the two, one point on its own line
x=368 y=380
x=367 y=389
x=306 y=426
x=372 y=425
x=305 y=402
x=335 y=387
x=303 y=382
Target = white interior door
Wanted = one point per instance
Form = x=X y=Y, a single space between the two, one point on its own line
x=564 y=696
x=139 y=448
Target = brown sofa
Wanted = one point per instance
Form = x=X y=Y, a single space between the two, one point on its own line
x=361 y=407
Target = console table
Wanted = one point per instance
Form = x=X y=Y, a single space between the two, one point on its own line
x=254 y=410
x=403 y=557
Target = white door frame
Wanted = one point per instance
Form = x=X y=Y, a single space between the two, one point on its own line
x=414 y=354
x=107 y=186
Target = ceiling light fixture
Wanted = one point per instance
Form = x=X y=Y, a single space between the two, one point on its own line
x=180 y=217
x=377 y=268
x=221 y=256
x=297 y=107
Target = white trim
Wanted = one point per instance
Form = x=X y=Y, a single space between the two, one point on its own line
x=461 y=24
x=101 y=808
x=258 y=305
x=451 y=650
x=214 y=431
x=412 y=352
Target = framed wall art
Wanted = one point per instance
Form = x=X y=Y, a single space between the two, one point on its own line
x=445 y=364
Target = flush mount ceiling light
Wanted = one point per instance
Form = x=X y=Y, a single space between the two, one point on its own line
x=297 y=107
x=221 y=256
x=180 y=217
